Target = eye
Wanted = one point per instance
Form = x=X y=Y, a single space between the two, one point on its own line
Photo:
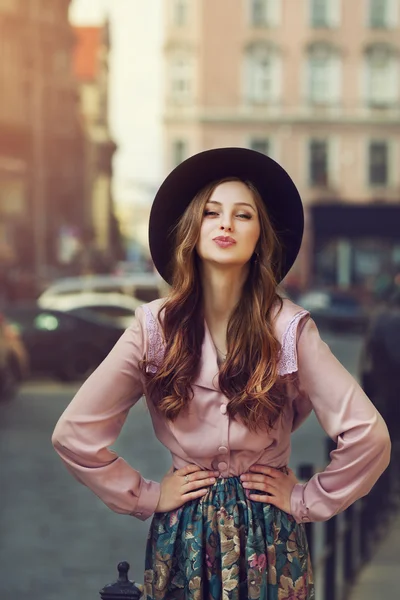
x=244 y=216
x=208 y=213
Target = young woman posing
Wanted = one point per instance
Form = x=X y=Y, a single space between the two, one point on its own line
x=229 y=369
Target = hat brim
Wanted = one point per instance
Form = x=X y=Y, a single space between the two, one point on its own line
x=277 y=190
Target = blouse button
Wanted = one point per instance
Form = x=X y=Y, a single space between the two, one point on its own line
x=223 y=409
x=222 y=450
x=222 y=466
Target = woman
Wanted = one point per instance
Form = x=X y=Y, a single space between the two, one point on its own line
x=229 y=370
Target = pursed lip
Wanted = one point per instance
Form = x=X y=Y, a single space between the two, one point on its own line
x=223 y=238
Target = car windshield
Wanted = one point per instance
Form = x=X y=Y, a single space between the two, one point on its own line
x=88 y=315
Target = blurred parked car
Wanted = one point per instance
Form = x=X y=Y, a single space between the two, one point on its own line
x=69 y=346
x=335 y=310
x=143 y=286
x=380 y=363
x=14 y=360
x=127 y=267
x=116 y=307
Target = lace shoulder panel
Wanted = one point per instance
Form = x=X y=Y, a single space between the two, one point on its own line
x=288 y=354
x=155 y=342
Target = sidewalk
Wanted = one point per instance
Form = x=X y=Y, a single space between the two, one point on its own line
x=380 y=577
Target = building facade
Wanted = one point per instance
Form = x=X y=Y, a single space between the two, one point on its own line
x=41 y=138
x=315 y=84
x=91 y=68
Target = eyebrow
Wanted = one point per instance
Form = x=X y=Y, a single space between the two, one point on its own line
x=236 y=204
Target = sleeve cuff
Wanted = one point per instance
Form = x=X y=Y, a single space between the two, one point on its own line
x=148 y=500
x=298 y=507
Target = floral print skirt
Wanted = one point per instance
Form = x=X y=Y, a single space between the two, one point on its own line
x=227 y=547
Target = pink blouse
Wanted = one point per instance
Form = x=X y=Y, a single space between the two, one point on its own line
x=207 y=437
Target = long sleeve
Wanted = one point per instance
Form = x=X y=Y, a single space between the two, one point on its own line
x=350 y=419
x=92 y=422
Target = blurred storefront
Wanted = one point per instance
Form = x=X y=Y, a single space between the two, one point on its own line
x=357 y=247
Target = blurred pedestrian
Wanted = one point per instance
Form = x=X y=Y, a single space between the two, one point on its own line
x=229 y=370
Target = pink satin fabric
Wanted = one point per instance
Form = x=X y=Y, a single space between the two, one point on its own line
x=207 y=437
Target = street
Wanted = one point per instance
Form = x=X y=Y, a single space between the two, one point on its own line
x=58 y=541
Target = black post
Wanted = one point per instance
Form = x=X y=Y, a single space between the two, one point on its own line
x=123 y=588
x=349 y=559
x=331 y=558
x=330 y=542
x=305 y=472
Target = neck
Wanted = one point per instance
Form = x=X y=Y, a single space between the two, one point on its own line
x=222 y=288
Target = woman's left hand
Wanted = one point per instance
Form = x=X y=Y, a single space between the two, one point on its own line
x=276 y=485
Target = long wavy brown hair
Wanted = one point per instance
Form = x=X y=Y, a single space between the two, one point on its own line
x=249 y=376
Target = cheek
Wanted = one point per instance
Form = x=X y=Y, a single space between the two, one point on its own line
x=202 y=237
x=254 y=236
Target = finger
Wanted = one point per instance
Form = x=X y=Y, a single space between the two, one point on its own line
x=203 y=475
x=194 y=485
x=193 y=495
x=263 y=498
x=265 y=470
x=256 y=485
x=256 y=477
x=187 y=469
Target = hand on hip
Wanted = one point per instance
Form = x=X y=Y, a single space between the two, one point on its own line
x=275 y=486
x=181 y=486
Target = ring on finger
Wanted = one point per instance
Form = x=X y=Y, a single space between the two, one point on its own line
x=186 y=479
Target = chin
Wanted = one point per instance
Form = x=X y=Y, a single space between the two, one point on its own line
x=224 y=258
x=229 y=262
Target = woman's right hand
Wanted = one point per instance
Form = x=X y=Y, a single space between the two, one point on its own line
x=183 y=485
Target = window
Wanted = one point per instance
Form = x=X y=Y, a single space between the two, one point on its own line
x=261 y=79
x=179 y=152
x=379 y=14
x=260 y=145
x=324 y=75
x=318 y=163
x=180 y=13
x=378 y=167
x=324 y=13
x=319 y=13
x=262 y=75
x=264 y=13
x=382 y=76
x=181 y=78
x=319 y=79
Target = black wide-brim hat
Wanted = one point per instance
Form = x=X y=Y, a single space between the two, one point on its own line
x=276 y=188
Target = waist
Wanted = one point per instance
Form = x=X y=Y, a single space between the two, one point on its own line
x=225 y=474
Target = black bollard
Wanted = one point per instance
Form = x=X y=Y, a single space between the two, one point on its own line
x=304 y=473
x=123 y=588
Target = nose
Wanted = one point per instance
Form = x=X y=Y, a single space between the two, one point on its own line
x=226 y=223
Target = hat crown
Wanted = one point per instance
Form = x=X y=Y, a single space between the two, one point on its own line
x=276 y=188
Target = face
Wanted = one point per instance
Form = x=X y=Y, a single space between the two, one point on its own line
x=230 y=228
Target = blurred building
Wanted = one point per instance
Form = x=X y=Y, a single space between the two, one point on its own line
x=316 y=85
x=91 y=59
x=41 y=138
